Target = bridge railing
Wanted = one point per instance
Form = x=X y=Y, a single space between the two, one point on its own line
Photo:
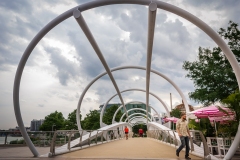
x=13 y=138
x=197 y=139
x=86 y=138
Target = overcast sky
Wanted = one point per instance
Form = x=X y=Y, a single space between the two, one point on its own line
x=63 y=63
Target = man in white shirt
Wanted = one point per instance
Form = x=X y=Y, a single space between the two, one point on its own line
x=183 y=133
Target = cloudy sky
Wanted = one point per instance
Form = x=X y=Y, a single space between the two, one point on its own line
x=63 y=62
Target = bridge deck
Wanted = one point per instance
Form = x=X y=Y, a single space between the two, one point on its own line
x=132 y=148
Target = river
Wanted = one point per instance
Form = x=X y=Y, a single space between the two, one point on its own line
x=2 y=139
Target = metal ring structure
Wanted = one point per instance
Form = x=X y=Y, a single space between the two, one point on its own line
x=133 y=109
x=102 y=111
x=120 y=68
x=136 y=117
x=161 y=5
x=137 y=123
x=134 y=114
x=114 y=116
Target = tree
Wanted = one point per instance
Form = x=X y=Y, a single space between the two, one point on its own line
x=54 y=121
x=108 y=115
x=91 y=121
x=233 y=102
x=176 y=113
x=71 y=122
x=212 y=74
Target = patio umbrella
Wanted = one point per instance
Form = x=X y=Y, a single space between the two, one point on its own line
x=212 y=112
x=171 y=119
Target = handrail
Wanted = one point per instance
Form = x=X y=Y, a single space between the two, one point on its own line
x=93 y=135
x=165 y=136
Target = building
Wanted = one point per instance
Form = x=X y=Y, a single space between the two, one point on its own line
x=35 y=124
x=136 y=105
x=108 y=106
x=181 y=107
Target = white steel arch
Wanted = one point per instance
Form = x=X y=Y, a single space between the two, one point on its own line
x=161 y=5
x=133 y=109
x=134 y=114
x=141 y=110
x=137 y=117
x=134 y=89
x=113 y=119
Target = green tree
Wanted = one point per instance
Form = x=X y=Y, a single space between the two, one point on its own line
x=176 y=113
x=108 y=115
x=233 y=102
x=53 y=121
x=91 y=121
x=71 y=122
x=212 y=74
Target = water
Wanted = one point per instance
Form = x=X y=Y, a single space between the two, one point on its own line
x=2 y=139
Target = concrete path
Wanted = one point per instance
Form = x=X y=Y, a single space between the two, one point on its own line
x=133 y=148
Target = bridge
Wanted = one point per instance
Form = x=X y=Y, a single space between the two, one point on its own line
x=92 y=141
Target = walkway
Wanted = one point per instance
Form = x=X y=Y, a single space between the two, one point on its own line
x=133 y=148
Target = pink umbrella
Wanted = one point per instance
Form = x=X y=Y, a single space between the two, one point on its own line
x=213 y=113
x=171 y=119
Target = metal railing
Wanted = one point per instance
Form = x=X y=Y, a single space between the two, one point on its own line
x=169 y=136
x=85 y=138
x=39 y=138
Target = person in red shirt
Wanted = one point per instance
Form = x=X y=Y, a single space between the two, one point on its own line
x=126 y=132
x=140 y=132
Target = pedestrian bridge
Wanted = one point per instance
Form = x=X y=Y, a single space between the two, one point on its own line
x=110 y=142
x=133 y=148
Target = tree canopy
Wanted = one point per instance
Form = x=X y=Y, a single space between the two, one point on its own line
x=54 y=121
x=91 y=121
x=108 y=115
x=176 y=113
x=71 y=122
x=212 y=74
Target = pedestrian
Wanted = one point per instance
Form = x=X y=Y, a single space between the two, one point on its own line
x=183 y=133
x=126 y=132
x=140 y=131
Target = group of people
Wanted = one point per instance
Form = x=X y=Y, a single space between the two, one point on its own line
x=183 y=133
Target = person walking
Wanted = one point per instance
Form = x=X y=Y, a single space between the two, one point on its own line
x=126 y=132
x=183 y=133
x=140 y=132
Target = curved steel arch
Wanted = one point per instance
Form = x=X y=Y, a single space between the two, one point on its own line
x=137 y=123
x=136 y=118
x=134 y=89
x=136 y=114
x=113 y=119
x=162 y=5
x=141 y=110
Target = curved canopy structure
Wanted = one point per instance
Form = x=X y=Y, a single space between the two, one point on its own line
x=133 y=109
x=152 y=9
x=102 y=111
x=113 y=119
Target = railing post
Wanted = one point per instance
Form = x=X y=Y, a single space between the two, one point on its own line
x=52 y=148
x=96 y=137
x=89 y=141
x=80 y=139
x=175 y=139
x=69 y=140
x=102 y=137
x=205 y=147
